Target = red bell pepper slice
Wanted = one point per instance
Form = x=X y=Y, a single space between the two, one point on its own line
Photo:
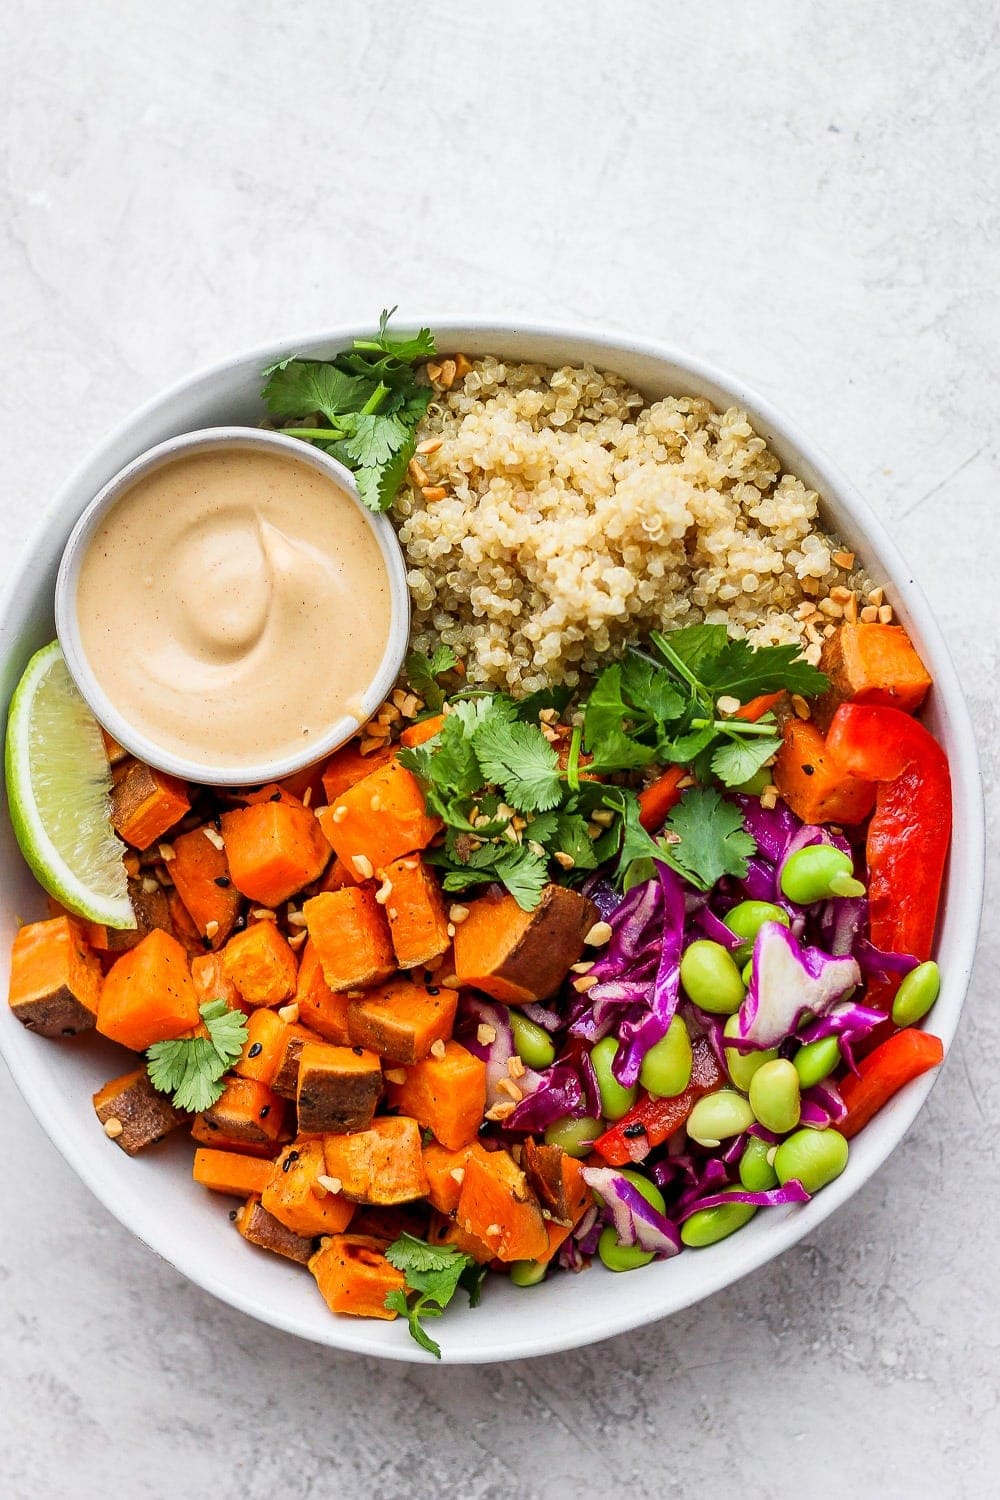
x=910 y=829
x=651 y=1121
x=657 y=800
x=757 y=707
x=882 y=1073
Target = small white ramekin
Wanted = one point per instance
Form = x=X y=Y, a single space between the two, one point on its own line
x=109 y=714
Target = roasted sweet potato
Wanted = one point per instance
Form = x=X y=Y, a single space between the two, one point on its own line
x=444 y=1230
x=116 y=753
x=261 y=1228
x=814 y=786
x=338 y=1090
x=94 y=934
x=55 y=978
x=323 y=1009
x=182 y=926
x=447 y=1095
x=350 y=933
x=378 y=820
x=286 y=1075
x=498 y=1207
x=208 y=1133
x=147 y=995
x=247 y=1111
x=274 y=848
x=415 y=907
x=200 y=872
x=445 y=1171
x=133 y=1114
x=231 y=1172
x=380 y=1165
x=262 y=1050
x=873 y=664
x=145 y=804
x=387 y=1224
x=556 y=1179
x=401 y=1020
x=260 y=964
x=334 y=878
x=354 y=1276
x=522 y=956
x=208 y=975
x=294 y=1195
x=347 y=766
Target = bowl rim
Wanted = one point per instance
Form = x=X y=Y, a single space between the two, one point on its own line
x=881 y=1137
x=107 y=712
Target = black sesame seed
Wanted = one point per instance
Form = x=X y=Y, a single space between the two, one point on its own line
x=358 y=1051
x=274 y=797
x=265 y=1112
x=69 y=1031
x=223 y=882
x=433 y=989
x=232 y=1215
x=255 y=1050
x=808 y=770
x=292 y=1156
x=633 y=1130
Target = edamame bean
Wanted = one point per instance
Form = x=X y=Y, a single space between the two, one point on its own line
x=757 y=1174
x=746 y=973
x=528 y=1272
x=615 y=1100
x=666 y=1068
x=755 y=784
x=534 y=1046
x=710 y=977
x=775 y=1097
x=812 y=1157
x=574 y=1136
x=716 y=1117
x=748 y=918
x=917 y=994
x=709 y=1225
x=619 y=1257
x=816 y=1061
x=743 y=1065
x=818 y=872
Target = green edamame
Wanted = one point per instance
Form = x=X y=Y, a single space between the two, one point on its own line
x=917 y=994
x=816 y=1061
x=709 y=1225
x=746 y=973
x=615 y=1100
x=528 y=1272
x=812 y=1157
x=666 y=1067
x=716 y=1117
x=757 y=1174
x=755 y=784
x=534 y=1046
x=818 y=872
x=619 y=1257
x=710 y=977
x=748 y=918
x=775 y=1096
x=574 y=1136
x=743 y=1065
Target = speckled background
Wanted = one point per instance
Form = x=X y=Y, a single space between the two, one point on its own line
x=803 y=191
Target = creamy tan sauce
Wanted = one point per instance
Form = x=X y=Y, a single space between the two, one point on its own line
x=233 y=605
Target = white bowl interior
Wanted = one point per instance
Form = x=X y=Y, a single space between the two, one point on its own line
x=154 y=1197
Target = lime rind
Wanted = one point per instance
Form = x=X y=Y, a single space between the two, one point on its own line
x=58 y=789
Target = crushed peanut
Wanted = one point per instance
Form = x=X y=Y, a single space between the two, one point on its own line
x=113 y=1127
x=486 y=1035
x=885 y=614
x=599 y=934
x=457 y=1174
x=395 y=1075
x=363 y=866
x=438 y=1049
x=211 y=929
x=384 y=891
x=501 y=1111
x=564 y=860
x=167 y=853
x=289 y=1013
x=800 y=706
x=509 y=1087
x=332 y=1184
x=844 y=560
x=458 y=914
x=340 y=811
x=214 y=838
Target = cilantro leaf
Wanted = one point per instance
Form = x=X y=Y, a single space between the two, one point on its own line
x=373 y=439
x=191 y=1068
x=433 y=1274
x=299 y=386
x=741 y=758
x=422 y=672
x=605 y=718
x=520 y=759
x=741 y=671
x=709 y=838
x=572 y=838
x=378 y=487
x=693 y=643
x=525 y=874
x=408 y=351
x=642 y=681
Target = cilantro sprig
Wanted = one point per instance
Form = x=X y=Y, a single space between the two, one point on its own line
x=368 y=403
x=422 y=673
x=191 y=1068
x=433 y=1275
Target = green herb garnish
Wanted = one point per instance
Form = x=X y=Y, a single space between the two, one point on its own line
x=705 y=838
x=191 y=1069
x=433 y=1275
x=422 y=673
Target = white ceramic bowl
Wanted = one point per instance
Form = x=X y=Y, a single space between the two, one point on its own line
x=67 y=623
x=154 y=1196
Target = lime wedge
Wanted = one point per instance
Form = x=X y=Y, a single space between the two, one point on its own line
x=58 y=787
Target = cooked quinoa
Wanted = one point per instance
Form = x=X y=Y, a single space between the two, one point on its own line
x=561 y=517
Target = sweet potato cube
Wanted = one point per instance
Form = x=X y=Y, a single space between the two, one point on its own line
x=387 y=1224
x=811 y=782
x=230 y=1172
x=874 y=664
x=147 y=995
x=415 y=907
x=94 y=934
x=55 y=978
x=208 y=975
x=260 y=964
x=247 y=1111
x=354 y=1276
x=447 y=1231
x=116 y=753
x=274 y=849
x=200 y=872
x=286 y=1075
x=401 y=1020
x=294 y=1195
x=351 y=936
x=379 y=819
x=445 y=1172
x=339 y=1088
x=143 y=1115
x=347 y=766
x=446 y=1095
x=335 y=877
x=498 y=1207
x=262 y=1050
x=208 y=1133
x=556 y=1179
x=522 y=956
x=380 y=1165
x=146 y=803
x=261 y=1228
x=323 y=1009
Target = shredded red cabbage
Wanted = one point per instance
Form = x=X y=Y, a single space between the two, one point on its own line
x=788 y=980
x=791 y=1192
x=636 y=1222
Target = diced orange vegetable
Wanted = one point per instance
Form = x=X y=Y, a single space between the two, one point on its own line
x=380 y=1165
x=116 y=753
x=338 y=1090
x=274 y=849
x=522 y=956
x=401 y=1020
x=247 y=1111
x=347 y=766
x=182 y=926
x=422 y=731
x=323 y=1009
x=229 y=1172
x=498 y=1207
x=351 y=935
x=286 y=1076
x=335 y=877
x=208 y=975
x=756 y=708
x=556 y=1179
x=141 y=1115
x=262 y=1229
x=446 y=1095
x=305 y=785
x=146 y=803
x=354 y=1276
x=415 y=907
x=94 y=934
x=810 y=781
x=446 y=1231
x=55 y=978
x=295 y=1197
x=445 y=1171
x=260 y=964
x=873 y=664
x=657 y=800
x=200 y=873
x=266 y=1033
x=379 y=819
x=207 y=1133
x=147 y=995
x=388 y=1223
